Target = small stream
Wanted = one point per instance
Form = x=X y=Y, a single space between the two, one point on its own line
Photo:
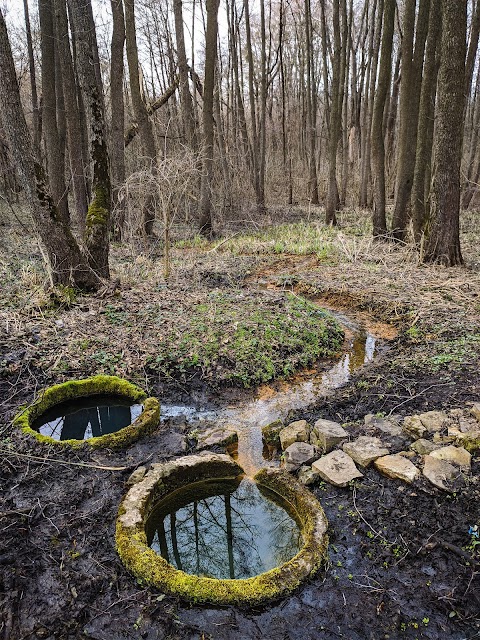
x=277 y=401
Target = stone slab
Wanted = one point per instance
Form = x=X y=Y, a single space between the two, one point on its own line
x=414 y=427
x=423 y=447
x=337 y=468
x=396 y=466
x=298 y=454
x=433 y=420
x=298 y=431
x=364 y=450
x=326 y=434
x=455 y=455
x=439 y=472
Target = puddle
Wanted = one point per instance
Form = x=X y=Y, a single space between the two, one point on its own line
x=90 y=417
x=224 y=529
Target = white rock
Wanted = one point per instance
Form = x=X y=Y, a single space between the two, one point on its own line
x=439 y=472
x=298 y=431
x=337 y=468
x=433 y=420
x=364 y=450
x=326 y=434
x=454 y=455
x=396 y=466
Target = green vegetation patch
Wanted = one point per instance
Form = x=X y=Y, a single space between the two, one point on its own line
x=247 y=340
x=146 y=422
x=154 y=570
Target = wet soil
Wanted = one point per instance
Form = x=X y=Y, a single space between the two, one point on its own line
x=399 y=567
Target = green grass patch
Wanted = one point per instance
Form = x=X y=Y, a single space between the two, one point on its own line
x=245 y=341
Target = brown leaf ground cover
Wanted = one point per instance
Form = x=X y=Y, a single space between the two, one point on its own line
x=390 y=576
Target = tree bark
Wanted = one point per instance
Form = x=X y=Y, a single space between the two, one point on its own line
x=443 y=244
x=412 y=64
x=33 y=83
x=54 y=156
x=205 y=218
x=117 y=107
x=186 y=102
x=422 y=174
x=378 y=139
x=140 y=111
x=97 y=225
x=67 y=265
x=72 y=116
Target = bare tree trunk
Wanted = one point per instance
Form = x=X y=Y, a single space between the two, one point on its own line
x=412 y=64
x=72 y=116
x=33 y=83
x=311 y=108
x=338 y=76
x=67 y=265
x=205 y=218
x=55 y=166
x=144 y=124
x=378 y=140
x=97 y=225
x=422 y=174
x=186 y=102
x=117 y=107
x=443 y=245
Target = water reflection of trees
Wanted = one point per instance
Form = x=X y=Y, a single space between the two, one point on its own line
x=223 y=529
x=86 y=418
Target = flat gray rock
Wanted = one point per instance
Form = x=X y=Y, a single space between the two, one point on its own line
x=217 y=437
x=433 y=420
x=364 y=450
x=396 y=466
x=327 y=434
x=390 y=425
x=298 y=431
x=337 y=468
x=439 y=472
x=298 y=454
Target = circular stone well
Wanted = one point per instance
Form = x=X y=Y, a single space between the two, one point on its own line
x=84 y=395
x=166 y=478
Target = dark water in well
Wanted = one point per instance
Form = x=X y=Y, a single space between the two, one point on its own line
x=224 y=529
x=84 y=418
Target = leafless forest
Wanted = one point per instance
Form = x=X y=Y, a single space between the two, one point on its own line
x=128 y=116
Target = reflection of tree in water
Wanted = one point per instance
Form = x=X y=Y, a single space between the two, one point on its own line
x=223 y=530
x=85 y=418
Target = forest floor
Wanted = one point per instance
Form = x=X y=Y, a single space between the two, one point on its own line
x=389 y=574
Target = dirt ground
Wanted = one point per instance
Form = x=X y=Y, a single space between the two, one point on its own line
x=401 y=561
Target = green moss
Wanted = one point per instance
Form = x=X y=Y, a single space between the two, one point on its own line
x=151 y=568
x=98 y=210
x=271 y=432
x=146 y=422
x=470 y=443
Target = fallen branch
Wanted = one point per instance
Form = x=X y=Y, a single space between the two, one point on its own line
x=151 y=108
x=61 y=462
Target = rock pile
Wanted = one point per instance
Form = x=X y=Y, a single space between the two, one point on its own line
x=436 y=445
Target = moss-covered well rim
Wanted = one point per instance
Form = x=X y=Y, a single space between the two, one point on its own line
x=152 y=569
x=146 y=422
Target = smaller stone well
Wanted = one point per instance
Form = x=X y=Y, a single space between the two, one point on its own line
x=102 y=411
x=168 y=487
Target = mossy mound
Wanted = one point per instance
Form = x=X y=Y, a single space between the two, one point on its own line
x=146 y=422
x=151 y=568
x=247 y=340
